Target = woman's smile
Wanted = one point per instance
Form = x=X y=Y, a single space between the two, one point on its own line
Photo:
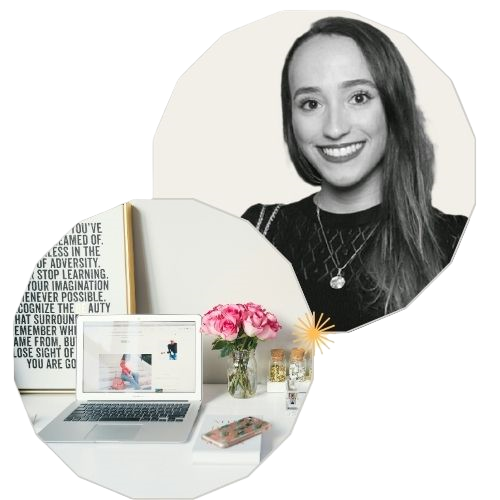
x=340 y=153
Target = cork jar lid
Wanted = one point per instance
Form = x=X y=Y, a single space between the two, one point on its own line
x=297 y=354
x=277 y=354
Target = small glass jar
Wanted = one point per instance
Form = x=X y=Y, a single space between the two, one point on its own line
x=297 y=365
x=277 y=366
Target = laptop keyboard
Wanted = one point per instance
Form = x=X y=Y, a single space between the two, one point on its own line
x=129 y=412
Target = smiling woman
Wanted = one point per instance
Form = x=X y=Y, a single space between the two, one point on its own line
x=369 y=240
x=338 y=120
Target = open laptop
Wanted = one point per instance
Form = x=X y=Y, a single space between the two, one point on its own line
x=138 y=379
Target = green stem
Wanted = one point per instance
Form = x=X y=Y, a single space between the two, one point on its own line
x=239 y=377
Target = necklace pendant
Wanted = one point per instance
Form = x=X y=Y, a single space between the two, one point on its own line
x=337 y=282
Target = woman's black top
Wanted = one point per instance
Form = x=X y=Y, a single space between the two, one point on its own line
x=294 y=230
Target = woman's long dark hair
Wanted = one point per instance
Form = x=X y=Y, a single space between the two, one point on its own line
x=406 y=254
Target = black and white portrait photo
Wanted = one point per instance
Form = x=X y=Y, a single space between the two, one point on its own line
x=368 y=240
x=351 y=181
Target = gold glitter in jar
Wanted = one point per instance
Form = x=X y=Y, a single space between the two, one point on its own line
x=277 y=373
x=277 y=366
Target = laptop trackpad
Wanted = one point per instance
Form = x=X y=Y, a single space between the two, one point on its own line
x=106 y=432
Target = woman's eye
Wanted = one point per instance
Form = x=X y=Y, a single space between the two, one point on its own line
x=310 y=104
x=360 y=98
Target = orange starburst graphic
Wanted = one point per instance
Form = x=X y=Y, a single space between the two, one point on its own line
x=311 y=333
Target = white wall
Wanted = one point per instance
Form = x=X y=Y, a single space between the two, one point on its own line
x=190 y=257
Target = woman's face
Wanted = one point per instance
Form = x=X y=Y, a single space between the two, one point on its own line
x=337 y=114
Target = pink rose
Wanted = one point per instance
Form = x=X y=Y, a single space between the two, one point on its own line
x=209 y=319
x=271 y=328
x=223 y=320
x=254 y=319
x=260 y=323
x=227 y=327
x=234 y=310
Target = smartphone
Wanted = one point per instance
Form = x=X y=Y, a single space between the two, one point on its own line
x=236 y=432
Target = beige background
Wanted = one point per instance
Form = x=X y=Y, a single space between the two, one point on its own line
x=220 y=138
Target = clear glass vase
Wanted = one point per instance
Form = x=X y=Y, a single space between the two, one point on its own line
x=242 y=374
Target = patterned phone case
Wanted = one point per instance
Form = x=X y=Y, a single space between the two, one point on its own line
x=236 y=432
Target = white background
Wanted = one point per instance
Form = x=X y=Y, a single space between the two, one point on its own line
x=405 y=408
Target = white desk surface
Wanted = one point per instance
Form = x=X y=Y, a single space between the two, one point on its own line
x=164 y=470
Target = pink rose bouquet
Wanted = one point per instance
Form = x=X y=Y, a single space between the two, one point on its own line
x=239 y=326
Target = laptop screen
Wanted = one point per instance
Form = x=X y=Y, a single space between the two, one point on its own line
x=139 y=356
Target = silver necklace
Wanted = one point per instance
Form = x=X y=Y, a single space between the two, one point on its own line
x=338 y=281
